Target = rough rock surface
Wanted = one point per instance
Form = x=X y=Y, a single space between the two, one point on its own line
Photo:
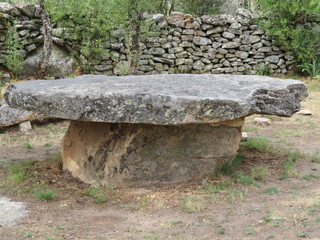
x=60 y=62
x=125 y=155
x=158 y=99
x=10 y=116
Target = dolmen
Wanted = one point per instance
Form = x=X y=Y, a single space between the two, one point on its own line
x=154 y=129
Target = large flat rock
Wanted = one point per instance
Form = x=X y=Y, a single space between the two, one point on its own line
x=158 y=99
x=11 y=116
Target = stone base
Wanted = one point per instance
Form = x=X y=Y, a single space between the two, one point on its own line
x=140 y=155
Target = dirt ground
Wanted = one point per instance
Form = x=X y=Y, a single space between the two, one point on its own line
x=272 y=206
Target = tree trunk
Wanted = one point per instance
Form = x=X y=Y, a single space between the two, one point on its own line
x=47 y=41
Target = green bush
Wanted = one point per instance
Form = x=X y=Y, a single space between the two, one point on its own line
x=285 y=20
x=92 y=20
x=13 y=59
x=199 y=7
x=312 y=68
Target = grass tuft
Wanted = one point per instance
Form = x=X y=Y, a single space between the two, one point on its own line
x=18 y=172
x=192 y=204
x=228 y=168
x=98 y=194
x=271 y=191
x=45 y=195
x=260 y=144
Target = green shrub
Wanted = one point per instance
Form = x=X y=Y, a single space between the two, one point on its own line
x=45 y=195
x=311 y=68
x=92 y=20
x=285 y=20
x=13 y=60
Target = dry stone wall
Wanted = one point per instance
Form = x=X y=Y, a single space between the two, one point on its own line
x=179 y=43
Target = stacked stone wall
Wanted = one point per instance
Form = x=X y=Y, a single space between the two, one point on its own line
x=180 y=43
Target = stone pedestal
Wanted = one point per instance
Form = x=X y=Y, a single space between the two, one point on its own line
x=121 y=154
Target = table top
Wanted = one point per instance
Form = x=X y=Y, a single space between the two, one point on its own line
x=158 y=99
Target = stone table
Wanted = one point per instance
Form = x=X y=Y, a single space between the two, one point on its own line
x=154 y=129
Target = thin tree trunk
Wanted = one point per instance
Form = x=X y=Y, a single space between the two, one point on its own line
x=135 y=42
x=47 y=41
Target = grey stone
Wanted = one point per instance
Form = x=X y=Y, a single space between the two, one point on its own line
x=215 y=30
x=202 y=41
x=188 y=31
x=236 y=26
x=31 y=47
x=176 y=21
x=11 y=116
x=156 y=51
x=119 y=34
x=121 y=68
x=244 y=13
x=262 y=121
x=258 y=32
x=158 y=99
x=4 y=77
x=228 y=35
x=23 y=33
x=183 y=54
x=11 y=212
x=60 y=62
x=9 y=9
x=158 y=17
x=163 y=23
x=27 y=9
x=163 y=60
x=158 y=66
x=257 y=45
x=169 y=56
x=218 y=20
x=305 y=112
x=145 y=68
x=25 y=126
x=222 y=51
x=272 y=59
x=265 y=49
x=231 y=45
x=180 y=61
x=244 y=136
x=206 y=27
x=176 y=50
x=250 y=39
x=198 y=65
x=241 y=54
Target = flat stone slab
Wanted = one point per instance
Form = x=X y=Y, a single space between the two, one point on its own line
x=11 y=116
x=11 y=212
x=158 y=99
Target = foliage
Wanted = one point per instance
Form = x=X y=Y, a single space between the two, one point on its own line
x=92 y=21
x=14 y=59
x=312 y=68
x=285 y=20
x=45 y=195
x=199 y=7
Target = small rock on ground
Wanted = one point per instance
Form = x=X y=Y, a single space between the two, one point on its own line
x=25 y=126
x=11 y=212
x=244 y=137
x=304 y=112
x=262 y=121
